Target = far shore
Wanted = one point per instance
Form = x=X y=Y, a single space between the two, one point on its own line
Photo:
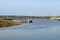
x=7 y=21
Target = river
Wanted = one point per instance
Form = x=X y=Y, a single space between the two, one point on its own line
x=38 y=30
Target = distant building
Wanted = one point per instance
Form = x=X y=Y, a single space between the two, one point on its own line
x=53 y=18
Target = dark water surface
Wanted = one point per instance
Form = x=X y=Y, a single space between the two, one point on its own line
x=38 y=30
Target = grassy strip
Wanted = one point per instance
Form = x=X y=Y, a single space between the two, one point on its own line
x=7 y=23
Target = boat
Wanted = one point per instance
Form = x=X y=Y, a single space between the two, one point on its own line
x=30 y=21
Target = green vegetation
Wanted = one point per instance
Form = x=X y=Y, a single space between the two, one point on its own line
x=12 y=17
x=8 y=19
x=24 y=17
x=7 y=23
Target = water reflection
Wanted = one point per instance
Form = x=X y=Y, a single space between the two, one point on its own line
x=38 y=30
x=38 y=24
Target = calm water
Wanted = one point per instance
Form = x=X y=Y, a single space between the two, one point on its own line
x=38 y=30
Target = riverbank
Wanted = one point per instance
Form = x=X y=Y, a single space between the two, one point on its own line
x=8 y=23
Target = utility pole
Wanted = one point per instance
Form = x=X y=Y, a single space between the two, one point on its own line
x=7 y=14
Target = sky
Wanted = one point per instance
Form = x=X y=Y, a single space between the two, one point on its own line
x=30 y=7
